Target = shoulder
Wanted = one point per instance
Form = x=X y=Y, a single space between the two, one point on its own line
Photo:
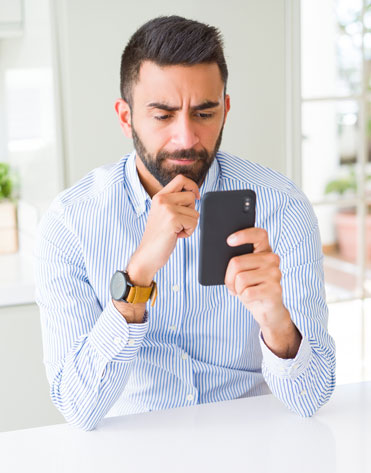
x=96 y=182
x=236 y=169
x=279 y=201
x=91 y=193
x=236 y=172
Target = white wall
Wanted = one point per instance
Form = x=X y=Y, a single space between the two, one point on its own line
x=24 y=394
x=92 y=35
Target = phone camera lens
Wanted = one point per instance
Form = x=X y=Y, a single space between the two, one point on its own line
x=246 y=205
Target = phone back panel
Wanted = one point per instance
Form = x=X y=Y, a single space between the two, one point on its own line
x=222 y=213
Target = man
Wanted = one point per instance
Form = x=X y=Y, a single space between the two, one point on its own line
x=265 y=329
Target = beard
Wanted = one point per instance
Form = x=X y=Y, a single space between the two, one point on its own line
x=156 y=166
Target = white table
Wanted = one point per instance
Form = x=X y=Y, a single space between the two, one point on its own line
x=246 y=435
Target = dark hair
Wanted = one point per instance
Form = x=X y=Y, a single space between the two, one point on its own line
x=170 y=40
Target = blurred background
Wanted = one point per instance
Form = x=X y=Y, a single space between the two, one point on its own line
x=300 y=86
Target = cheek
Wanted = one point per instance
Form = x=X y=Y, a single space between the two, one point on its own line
x=208 y=135
x=153 y=137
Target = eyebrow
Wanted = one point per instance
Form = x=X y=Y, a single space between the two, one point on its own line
x=203 y=106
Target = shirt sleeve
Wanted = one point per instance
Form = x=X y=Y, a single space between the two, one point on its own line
x=306 y=382
x=88 y=350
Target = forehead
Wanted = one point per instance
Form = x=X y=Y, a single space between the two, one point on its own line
x=179 y=83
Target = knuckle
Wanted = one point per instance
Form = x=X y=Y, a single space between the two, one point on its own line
x=234 y=264
x=159 y=199
x=263 y=233
x=274 y=259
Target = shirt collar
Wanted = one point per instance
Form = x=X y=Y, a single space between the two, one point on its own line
x=139 y=196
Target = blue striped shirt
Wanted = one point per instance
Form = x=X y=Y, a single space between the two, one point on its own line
x=199 y=344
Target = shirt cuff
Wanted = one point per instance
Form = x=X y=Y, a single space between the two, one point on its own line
x=286 y=368
x=114 y=338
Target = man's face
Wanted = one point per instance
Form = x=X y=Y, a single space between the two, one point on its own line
x=177 y=119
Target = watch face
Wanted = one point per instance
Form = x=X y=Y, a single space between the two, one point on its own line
x=118 y=286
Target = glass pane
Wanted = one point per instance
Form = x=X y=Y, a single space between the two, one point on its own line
x=338 y=228
x=368 y=247
x=331 y=47
x=330 y=148
x=367 y=178
x=367 y=335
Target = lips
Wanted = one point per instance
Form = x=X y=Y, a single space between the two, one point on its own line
x=183 y=161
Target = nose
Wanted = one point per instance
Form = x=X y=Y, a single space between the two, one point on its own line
x=184 y=133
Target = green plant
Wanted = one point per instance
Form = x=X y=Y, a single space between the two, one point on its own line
x=7 y=182
x=344 y=183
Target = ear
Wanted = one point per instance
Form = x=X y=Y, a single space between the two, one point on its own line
x=124 y=113
x=227 y=106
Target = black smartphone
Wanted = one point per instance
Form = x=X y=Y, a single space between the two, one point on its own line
x=223 y=213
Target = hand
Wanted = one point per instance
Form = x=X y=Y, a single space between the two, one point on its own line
x=256 y=279
x=172 y=216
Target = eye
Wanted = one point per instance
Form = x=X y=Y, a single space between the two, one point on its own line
x=204 y=115
x=162 y=117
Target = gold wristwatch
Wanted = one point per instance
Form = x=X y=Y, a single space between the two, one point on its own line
x=122 y=289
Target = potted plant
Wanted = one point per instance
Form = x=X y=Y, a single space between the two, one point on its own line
x=8 y=211
x=346 y=223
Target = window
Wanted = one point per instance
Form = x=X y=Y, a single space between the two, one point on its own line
x=336 y=165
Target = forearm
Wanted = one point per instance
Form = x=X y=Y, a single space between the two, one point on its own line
x=86 y=383
x=283 y=340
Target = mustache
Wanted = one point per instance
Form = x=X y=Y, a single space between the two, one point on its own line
x=183 y=154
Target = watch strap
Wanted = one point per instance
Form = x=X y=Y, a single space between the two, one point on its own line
x=139 y=294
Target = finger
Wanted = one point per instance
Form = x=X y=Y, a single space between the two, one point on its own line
x=185 y=198
x=181 y=210
x=268 y=262
x=252 y=261
x=184 y=226
x=261 y=292
x=256 y=236
x=247 y=279
x=180 y=183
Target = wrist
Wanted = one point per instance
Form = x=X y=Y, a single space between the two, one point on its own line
x=283 y=340
x=140 y=274
x=132 y=313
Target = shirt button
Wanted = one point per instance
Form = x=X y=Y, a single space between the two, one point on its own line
x=172 y=327
x=117 y=341
x=175 y=288
x=131 y=342
x=190 y=397
x=303 y=393
x=184 y=356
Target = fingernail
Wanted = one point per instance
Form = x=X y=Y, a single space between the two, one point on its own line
x=231 y=239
